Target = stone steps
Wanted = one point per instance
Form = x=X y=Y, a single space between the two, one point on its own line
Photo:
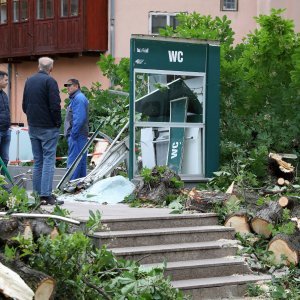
x=220 y=287
x=26 y=173
x=156 y=236
x=176 y=252
x=165 y=221
x=199 y=254
x=203 y=268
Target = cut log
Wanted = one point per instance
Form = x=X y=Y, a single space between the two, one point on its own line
x=280 y=181
x=286 y=202
x=205 y=201
x=239 y=221
x=13 y=286
x=42 y=284
x=286 y=248
x=271 y=214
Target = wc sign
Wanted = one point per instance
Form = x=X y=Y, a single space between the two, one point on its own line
x=175 y=56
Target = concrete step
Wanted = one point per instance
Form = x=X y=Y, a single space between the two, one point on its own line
x=26 y=172
x=177 y=252
x=204 y=268
x=218 y=287
x=146 y=237
x=181 y=220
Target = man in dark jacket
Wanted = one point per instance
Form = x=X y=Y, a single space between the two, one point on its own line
x=41 y=104
x=4 y=119
x=76 y=127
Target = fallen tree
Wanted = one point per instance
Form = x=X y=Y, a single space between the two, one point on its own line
x=13 y=286
x=42 y=284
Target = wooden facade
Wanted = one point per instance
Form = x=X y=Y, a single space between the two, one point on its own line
x=30 y=28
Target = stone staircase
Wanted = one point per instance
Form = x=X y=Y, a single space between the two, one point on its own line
x=25 y=172
x=200 y=255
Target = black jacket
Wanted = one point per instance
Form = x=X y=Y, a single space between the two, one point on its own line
x=4 y=112
x=41 y=101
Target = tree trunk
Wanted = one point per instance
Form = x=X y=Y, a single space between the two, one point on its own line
x=205 y=201
x=13 y=286
x=271 y=214
x=42 y=284
x=239 y=221
x=286 y=248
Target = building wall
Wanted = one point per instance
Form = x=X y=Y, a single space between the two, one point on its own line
x=132 y=17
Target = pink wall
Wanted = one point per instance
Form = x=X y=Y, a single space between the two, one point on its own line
x=132 y=17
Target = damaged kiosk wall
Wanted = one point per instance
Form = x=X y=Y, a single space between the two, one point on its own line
x=174 y=106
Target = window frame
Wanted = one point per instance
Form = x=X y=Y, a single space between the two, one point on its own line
x=223 y=8
x=69 y=9
x=45 y=17
x=157 y=13
x=2 y=4
x=19 y=19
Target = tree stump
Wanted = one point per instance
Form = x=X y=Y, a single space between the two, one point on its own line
x=271 y=214
x=239 y=221
x=286 y=248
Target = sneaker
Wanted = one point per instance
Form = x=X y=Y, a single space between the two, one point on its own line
x=50 y=200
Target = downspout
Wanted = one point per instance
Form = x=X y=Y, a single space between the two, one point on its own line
x=112 y=33
x=9 y=70
x=112 y=28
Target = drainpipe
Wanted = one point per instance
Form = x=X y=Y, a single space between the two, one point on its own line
x=112 y=33
x=9 y=69
x=112 y=28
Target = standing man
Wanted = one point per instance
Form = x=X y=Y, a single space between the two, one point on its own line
x=4 y=119
x=41 y=104
x=76 y=127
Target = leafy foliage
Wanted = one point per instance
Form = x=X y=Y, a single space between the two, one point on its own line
x=78 y=267
x=286 y=226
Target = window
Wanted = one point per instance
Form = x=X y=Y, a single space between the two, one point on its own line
x=229 y=5
x=3 y=12
x=20 y=10
x=161 y=20
x=69 y=8
x=44 y=9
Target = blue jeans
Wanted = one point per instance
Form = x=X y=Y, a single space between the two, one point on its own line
x=4 y=145
x=74 y=148
x=43 y=143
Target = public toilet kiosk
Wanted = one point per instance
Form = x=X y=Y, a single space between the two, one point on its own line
x=174 y=106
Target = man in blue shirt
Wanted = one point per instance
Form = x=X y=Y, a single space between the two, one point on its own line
x=4 y=119
x=76 y=127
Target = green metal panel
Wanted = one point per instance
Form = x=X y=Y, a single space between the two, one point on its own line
x=168 y=54
x=131 y=119
x=178 y=109
x=212 y=136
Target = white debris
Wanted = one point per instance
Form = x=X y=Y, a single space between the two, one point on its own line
x=111 y=190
